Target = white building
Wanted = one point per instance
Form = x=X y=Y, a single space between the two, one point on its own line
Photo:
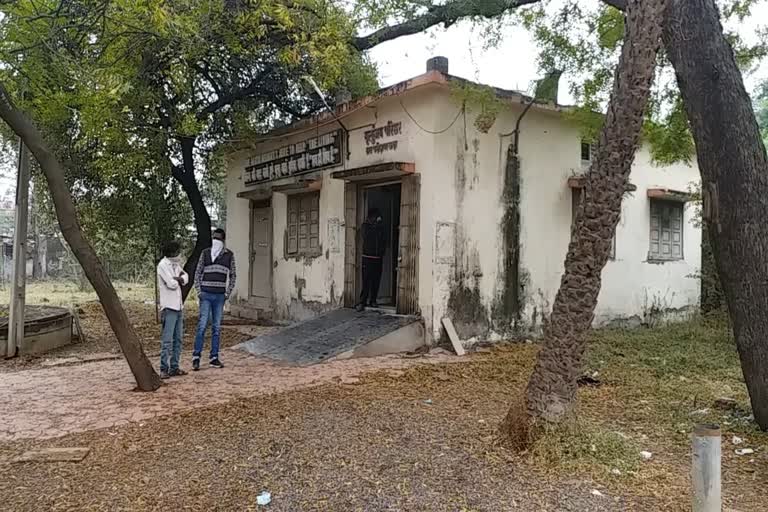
x=461 y=247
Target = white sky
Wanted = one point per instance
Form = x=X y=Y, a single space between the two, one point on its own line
x=511 y=65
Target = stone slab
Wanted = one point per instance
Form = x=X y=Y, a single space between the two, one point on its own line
x=453 y=336
x=75 y=454
x=324 y=337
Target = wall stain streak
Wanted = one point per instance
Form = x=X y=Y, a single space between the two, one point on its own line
x=507 y=314
x=465 y=305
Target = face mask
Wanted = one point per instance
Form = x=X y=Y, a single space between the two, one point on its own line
x=217 y=247
x=176 y=260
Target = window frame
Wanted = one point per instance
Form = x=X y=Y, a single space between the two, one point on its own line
x=658 y=257
x=306 y=208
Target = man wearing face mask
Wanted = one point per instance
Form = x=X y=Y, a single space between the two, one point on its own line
x=374 y=247
x=214 y=280
x=170 y=278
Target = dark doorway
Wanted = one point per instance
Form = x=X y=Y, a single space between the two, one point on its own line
x=386 y=197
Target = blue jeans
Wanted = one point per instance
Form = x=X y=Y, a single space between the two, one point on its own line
x=211 y=308
x=173 y=331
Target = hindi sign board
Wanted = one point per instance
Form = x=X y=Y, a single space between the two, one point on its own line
x=295 y=159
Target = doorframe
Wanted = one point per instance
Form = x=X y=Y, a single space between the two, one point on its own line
x=359 y=216
x=361 y=213
x=253 y=206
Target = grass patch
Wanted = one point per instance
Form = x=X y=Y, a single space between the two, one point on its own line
x=672 y=375
x=67 y=293
x=696 y=348
x=581 y=445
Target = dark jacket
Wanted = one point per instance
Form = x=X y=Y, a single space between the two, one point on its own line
x=374 y=239
x=216 y=276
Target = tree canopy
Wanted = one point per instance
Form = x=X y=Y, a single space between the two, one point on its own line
x=133 y=95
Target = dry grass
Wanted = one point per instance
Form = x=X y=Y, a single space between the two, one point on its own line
x=68 y=293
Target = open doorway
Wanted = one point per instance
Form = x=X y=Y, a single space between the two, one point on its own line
x=386 y=198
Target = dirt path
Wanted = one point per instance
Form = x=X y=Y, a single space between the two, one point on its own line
x=397 y=441
x=46 y=403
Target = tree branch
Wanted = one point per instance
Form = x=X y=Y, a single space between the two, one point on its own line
x=448 y=14
x=232 y=96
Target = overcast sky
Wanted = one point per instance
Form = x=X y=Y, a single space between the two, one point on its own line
x=512 y=65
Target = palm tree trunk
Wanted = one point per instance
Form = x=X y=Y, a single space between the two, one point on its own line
x=552 y=387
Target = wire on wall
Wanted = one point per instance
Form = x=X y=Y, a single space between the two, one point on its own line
x=431 y=132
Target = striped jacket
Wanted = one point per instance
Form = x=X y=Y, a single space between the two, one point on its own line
x=216 y=276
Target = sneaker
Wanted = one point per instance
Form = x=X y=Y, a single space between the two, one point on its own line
x=215 y=363
x=195 y=364
x=165 y=375
x=178 y=372
x=374 y=305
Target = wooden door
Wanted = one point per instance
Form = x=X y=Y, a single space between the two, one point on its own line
x=408 y=257
x=261 y=255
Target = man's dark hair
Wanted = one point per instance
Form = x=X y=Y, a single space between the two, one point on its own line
x=171 y=249
x=373 y=213
x=219 y=231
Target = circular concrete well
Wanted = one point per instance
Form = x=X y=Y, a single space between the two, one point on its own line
x=45 y=328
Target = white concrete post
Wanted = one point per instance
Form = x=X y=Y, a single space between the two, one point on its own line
x=705 y=473
x=19 y=275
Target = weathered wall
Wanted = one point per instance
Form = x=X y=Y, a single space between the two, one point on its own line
x=631 y=286
x=467 y=187
x=462 y=221
x=634 y=289
x=304 y=287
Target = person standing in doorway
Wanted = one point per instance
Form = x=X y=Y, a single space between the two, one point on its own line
x=215 y=279
x=374 y=247
x=170 y=278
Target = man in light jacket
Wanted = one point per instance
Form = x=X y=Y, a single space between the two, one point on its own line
x=170 y=278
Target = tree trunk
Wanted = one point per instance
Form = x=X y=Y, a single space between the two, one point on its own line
x=36 y=267
x=146 y=377
x=734 y=172
x=41 y=249
x=185 y=175
x=552 y=387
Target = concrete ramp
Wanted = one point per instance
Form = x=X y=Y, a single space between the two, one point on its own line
x=340 y=334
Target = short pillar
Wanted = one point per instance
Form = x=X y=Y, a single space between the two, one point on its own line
x=705 y=473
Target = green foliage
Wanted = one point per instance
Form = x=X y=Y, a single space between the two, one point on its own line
x=116 y=85
x=669 y=137
x=584 y=39
x=483 y=98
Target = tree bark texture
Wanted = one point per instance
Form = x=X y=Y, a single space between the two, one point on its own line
x=146 y=377
x=734 y=171
x=185 y=175
x=552 y=387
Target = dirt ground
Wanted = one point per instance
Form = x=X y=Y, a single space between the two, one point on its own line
x=100 y=342
x=424 y=439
